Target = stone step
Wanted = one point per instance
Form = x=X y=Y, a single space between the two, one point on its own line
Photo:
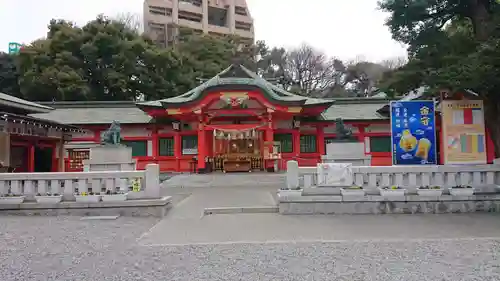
x=325 y=191
x=99 y=218
x=245 y=180
x=240 y=210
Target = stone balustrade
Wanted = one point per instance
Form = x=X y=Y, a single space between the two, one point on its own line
x=316 y=199
x=403 y=176
x=67 y=184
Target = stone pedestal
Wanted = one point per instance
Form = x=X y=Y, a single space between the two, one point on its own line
x=110 y=158
x=346 y=152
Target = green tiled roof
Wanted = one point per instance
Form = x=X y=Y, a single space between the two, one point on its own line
x=238 y=75
x=29 y=106
x=356 y=109
x=81 y=113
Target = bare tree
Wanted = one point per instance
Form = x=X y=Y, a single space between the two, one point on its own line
x=363 y=76
x=310 y=72
x=313 y=72
x=131 y=20
x=395 y=62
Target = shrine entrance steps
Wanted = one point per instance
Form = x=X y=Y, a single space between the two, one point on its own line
x=195 y=196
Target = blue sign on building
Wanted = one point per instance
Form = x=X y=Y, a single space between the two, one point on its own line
x=14 y=47
x=413 y=130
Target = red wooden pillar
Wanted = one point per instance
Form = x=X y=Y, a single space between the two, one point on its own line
x=156 y=143
x=361 y=135
x=202 y=146
x=490 y=147
x=55 y=162
x=177 y=150
x=296 y=143
x=262 y=137
x=442 y=154
x=31 y=158
x=97 y=135
x=209 y=138
x=62 y=163
x=320 y=139
x=269 y=132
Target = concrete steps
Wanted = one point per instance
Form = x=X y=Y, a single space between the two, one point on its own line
x=241 y=210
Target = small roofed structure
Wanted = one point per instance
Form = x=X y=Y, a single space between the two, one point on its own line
x=27 y=143
x=234 y=115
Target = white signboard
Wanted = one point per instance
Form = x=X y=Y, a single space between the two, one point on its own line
x=334 y=174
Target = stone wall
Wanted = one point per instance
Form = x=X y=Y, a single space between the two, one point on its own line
x=135 y=208
x=374 y=204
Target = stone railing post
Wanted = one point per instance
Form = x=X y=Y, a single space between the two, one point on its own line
x=152 y=178
x=292 y=174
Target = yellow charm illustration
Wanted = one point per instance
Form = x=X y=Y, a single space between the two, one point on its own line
x=424 y=146
x=408 y=142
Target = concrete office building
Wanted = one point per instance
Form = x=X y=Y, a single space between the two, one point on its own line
x=221 y=17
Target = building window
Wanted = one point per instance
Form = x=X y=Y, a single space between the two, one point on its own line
x=286 y=142
x=155 y=10
x=166 y=146
x=329 y=140
x=185 y=15
x=380 y=144
x=308 y=144
x=217 y=16
x=194 y=2
x=189 y=145
x=139 y=148
x=240 y=11
x=243 y=25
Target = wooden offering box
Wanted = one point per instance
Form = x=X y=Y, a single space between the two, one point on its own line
x=237 y=165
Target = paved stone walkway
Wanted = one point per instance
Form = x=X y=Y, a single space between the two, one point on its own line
x=255 y=179
x=445 y=248
x=276 y=228
x=186 y=246
x=193 y=193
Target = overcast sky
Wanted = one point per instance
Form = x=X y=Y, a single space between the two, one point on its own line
x=342 y=28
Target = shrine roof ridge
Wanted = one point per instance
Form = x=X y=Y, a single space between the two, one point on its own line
x=15 y=102
x=92 y=104
x=243 y=78
x=30 y=118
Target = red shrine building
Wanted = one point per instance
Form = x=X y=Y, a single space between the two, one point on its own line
x=236 y=121
x=27 y=143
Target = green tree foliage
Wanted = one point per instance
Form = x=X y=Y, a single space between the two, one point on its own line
x=8 y=75
x=211 y=54
x=103 y=60
x=453 y=45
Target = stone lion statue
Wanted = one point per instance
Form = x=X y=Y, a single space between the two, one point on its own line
x=112 y=135
x=343 y=132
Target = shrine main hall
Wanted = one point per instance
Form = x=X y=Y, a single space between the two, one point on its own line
x=234 y=122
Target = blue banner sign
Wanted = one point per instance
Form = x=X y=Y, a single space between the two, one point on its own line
x=413 y=130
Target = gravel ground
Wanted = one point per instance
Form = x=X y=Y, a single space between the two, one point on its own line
x=65 y=248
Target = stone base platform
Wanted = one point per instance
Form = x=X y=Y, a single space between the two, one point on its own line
x=139 y=208
x=373 y=204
